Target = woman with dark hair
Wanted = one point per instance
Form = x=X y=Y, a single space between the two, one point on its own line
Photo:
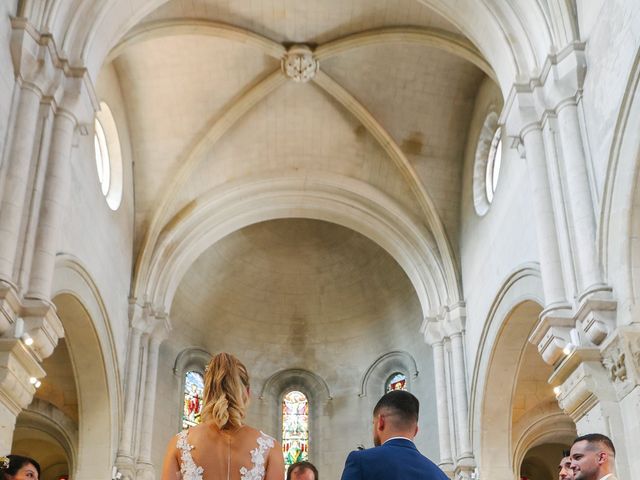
x=16 y=467
x=223 y=447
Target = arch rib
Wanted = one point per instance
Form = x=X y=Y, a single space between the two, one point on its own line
x=216 y=128
x=189 y=26
x=428 y=37
x=392 y=149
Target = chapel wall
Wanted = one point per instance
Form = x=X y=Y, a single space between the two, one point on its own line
x=100 y=238
x=495 y=245
x=339 y=424
x=612 y=48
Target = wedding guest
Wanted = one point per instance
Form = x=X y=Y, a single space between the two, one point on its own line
x=564 y=469
x=222 y=446
x=395 y=457
x=593 y=457
x=16 y=467
x=302 y=470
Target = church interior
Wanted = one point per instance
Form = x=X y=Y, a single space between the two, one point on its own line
x=351 y=196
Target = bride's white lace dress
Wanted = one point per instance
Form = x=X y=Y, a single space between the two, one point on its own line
x=191 y=471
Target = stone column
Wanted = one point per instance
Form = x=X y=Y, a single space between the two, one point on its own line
x=442 y=405
x=144 y=466
x=17 y=177
x=125 y=450
x=461 y=403
x=56 y=191
x=550 y=263
x=433 y=335
x=579 y=198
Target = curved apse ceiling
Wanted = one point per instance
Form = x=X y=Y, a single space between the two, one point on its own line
x=304 y=286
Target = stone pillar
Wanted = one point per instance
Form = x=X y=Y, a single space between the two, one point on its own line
x=17 y=177
x=17 y=366
x=56 y=191
x=461 y=403
x=550 y=263
x=144 y=466
x=133 y=369
x=433 y=336
x=579 y=198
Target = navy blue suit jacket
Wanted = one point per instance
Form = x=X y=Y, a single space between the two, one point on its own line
x=396 y=459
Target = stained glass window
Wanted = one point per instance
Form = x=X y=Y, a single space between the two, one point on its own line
x=193 y=393
x=397 y=381
x=295 y=427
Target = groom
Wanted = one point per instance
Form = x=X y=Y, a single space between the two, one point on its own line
x=395 y=424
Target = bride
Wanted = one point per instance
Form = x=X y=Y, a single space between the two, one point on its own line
x=222 y=447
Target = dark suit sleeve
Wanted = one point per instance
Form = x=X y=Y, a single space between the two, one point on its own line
x=352 y=469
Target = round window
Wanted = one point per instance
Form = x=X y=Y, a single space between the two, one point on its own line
x=493 y=165
x=106 y=144
x=488 y=160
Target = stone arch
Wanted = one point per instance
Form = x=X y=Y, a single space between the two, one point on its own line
x=372 y=384
x=43 y=426
x=514 y=38
x=619 y=225
x=334 y=199
x=503 y=352
x=92 y=352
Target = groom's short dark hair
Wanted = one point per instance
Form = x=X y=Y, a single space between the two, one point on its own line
x=400 y=404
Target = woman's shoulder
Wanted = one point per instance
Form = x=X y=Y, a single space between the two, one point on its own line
x=259 y=436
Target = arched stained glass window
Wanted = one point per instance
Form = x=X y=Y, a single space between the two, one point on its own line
x=397 y=381
x=295 y=427
x=193 y=393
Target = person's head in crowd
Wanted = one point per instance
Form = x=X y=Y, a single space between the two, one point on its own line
x=395 y=415
x=16 y=467
x=564 y=469
x=592 y=457
x=302 y=470
x=226 y=391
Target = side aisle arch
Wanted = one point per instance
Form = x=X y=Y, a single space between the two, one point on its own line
x=93 y=356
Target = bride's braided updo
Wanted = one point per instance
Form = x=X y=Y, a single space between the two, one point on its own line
x=226 y=385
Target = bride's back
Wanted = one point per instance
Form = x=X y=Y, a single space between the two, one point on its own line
x=234 y=455
x=222 y=448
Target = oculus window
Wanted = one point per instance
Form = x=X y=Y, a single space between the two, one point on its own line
x=108 y=155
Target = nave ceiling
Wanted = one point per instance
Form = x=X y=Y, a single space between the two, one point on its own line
x=207 y=104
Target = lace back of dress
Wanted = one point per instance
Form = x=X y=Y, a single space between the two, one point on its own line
x=258 y=459
x=191 y=471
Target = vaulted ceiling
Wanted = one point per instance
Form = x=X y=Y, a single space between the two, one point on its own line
x=208 y=105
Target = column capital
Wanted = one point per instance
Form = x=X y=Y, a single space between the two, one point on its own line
x=145 y=319
x=39 y=64
x=552 y=334
x=597 y=315
x=17 y=366
x=559 y=82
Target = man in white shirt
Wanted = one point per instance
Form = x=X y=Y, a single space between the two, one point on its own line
x=593 y=457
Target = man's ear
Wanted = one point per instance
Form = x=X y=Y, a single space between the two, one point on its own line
x=602 y=457
x=380 y=422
